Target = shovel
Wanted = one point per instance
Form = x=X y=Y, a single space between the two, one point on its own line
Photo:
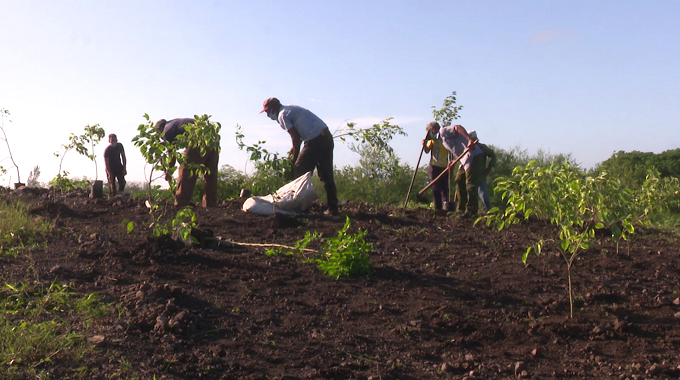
x=451 y=164
x=414 y=173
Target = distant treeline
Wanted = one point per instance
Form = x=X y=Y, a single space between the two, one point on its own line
x=631 y=167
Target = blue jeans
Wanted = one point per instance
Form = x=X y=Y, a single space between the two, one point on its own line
x=484 y=195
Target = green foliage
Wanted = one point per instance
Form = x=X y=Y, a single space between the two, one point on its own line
x=376 y=137
x=631 y=167
x=300 y=246
x=155 y=193
x=183 y=224
x=345 y=255
x=91 y=136
x=229 y=184
x=379 y=167
x=152 y=146
x=556 y=193
x=162 y=155
x=576 y=204
x=180 y=226
x=658 y=200
x=508 y=160
x=378 y=171
x=18 y=228
x=448 y=112
x=62 y=183
x=271 y=170
x=342 y=256
x=34 y=327
x=129 y=225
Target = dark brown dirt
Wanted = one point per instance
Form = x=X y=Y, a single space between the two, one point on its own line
x=444 y=300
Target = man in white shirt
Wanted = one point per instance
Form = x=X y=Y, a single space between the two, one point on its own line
x=303 y=125
x=471 y=169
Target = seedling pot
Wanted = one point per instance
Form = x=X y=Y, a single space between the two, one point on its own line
x=97 y=189
x=245 y=193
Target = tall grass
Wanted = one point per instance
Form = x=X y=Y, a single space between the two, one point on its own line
x=43 y=324
x=19 y=229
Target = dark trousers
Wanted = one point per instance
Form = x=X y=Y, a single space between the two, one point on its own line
x=466 y=185
x=318 y=153
x=114 y=175
x=186 y=181
x=440 y=189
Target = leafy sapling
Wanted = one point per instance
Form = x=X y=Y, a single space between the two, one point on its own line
x=342 y=256
x=557 y=193
x=163 y=155
x=183 y=224
x=448 y=112
x=577 y=204
x=300 y=246
x=346 y=254
x=271 y=169
x=84 y=145
x=377 y=136
x=3 y=115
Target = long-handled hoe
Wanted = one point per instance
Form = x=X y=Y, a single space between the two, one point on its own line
x=451 y=164
x=408 y=195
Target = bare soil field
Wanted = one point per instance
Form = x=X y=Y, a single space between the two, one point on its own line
x=444 y=299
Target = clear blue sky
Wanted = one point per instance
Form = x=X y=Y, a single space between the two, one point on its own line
x=582 y=77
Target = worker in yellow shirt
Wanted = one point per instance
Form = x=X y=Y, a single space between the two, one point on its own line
x=439 y=160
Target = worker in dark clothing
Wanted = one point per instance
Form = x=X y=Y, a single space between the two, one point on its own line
x=185 y=180
x=116 y=164
x=482 y=190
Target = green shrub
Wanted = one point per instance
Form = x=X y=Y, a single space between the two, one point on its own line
x=342 y=256
x=346 y=254
x=61 y=183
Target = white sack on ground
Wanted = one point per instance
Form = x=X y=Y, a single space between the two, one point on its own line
x=292 y=198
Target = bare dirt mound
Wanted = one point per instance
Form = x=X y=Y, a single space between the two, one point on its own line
x=55 y=209
x=444 y=299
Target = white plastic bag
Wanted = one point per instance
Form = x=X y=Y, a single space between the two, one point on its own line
x=293 y=198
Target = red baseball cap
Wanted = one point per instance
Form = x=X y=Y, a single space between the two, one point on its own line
x=270 y=103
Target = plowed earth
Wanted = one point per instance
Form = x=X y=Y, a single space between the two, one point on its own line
x=444 y=299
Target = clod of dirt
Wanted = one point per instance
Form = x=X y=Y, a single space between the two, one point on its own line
x=157 y=248
x=54 y=209
x=281 y=221
x=97 y=339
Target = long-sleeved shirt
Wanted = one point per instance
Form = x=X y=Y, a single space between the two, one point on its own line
x=488 y=152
